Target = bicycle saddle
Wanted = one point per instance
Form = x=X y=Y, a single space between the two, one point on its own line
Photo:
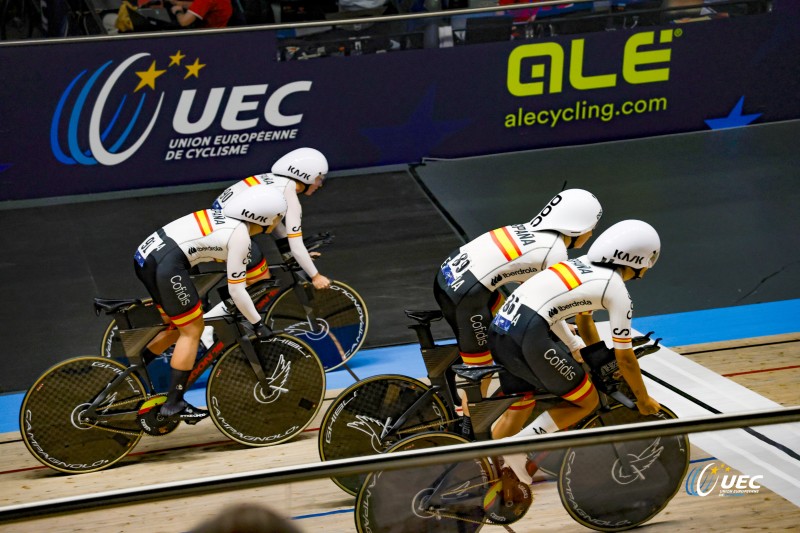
x=475 y=373
x=424 y=317
x=111 y=305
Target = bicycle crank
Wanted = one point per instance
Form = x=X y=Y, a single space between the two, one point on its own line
x=503 y=511
x=150 y=419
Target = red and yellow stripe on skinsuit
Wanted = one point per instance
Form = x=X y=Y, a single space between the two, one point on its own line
x=252 y=181
x=257 y=270
x=527 y=402
x=581 y=391
x=502 y=238
x=188 y=317
x=203 y=222
x=477 y=359
x=566 y=275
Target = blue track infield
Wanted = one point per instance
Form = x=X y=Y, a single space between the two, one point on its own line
x=679 y=329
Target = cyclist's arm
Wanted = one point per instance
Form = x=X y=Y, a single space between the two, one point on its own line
x=237 y=261
x=587 y=328
x=620 y=311
x=293 y=223
x=573 y=342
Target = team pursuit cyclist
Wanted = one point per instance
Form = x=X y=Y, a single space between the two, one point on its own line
x=466 y=286
x=162 y=263
x=301 y=171
x=519 y=339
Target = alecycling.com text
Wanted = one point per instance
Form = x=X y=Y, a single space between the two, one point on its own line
x=583 y=110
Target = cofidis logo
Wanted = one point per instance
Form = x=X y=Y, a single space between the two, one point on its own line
x=104 y=117
x=703 y=481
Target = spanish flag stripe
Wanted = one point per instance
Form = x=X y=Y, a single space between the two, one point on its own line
x=498 y=303
x=252 y=181
x=293 y=235
x=579 y=392
x=566 y=274
x=188 y=317
x=258 y=268
x=621 y=340
x=526 y=402
x=235 y=281
x=203 y=222
x=502 y=238
x=483 y=358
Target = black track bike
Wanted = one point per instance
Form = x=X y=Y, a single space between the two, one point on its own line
x=608 y=488
x=87 y=413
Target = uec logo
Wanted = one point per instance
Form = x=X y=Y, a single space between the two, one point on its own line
x=97 y=152
x=116 y=133
x=701 y=482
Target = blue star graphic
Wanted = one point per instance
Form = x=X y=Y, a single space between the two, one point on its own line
x=414 y=139
x=734 y=119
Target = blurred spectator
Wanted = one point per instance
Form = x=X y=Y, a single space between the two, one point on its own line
x=203 y=13
x=246 y=518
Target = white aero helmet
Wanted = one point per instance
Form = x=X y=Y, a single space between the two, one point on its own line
x=303 y=164
x=631 y=243
x=572 y=213
x=262 y=205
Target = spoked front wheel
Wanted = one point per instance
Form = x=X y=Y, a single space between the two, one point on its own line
x=356 y=422
x=341 y=317
x=438 y=498
x=57 y=428
x=244 y=411
x=618 y=486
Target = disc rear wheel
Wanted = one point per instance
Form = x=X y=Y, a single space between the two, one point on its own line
x=57 y=428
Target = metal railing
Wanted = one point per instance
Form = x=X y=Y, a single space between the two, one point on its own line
x=399 y=460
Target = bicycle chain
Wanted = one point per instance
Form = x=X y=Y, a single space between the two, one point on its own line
x=117 y=405
x=416 y=429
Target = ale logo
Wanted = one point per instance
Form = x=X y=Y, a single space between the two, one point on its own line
x=95 y=122
x=703 y=481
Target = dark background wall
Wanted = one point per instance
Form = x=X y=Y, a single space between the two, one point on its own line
x=725 y=204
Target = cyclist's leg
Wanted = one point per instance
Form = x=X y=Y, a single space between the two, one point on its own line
x=178 y=296
x=468 y=310
x=529 y=353
x=513 y=420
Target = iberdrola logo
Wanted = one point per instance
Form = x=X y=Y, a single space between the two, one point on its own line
x=104 y=116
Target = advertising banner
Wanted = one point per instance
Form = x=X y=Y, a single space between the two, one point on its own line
x=116 y=114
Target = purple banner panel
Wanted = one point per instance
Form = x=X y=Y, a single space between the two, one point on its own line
x=118 y=114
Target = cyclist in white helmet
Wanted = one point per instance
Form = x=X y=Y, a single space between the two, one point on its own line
x=162 y=263
x=519 y=338
x=301 y=171
x=467 y=282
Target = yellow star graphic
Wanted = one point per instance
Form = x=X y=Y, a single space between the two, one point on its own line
x=177 y=58
x=194 y=69
x=714 y=470
x=727 y=469
x=148 y=77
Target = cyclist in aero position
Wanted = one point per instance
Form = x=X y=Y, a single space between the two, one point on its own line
x=519 y=339
x=466 y=285
x=162 y=263
x=301 y=171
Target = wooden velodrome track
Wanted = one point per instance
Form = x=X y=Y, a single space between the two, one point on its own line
x=767 y=366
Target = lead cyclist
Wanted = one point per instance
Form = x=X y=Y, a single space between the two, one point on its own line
x=519 y=335
x=301 y=171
